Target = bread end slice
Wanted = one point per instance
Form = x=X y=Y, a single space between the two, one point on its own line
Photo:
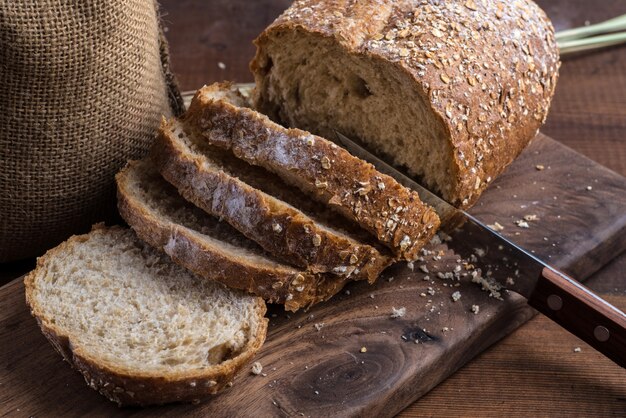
x=140 y=329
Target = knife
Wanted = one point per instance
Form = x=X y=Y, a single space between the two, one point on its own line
x=554 y=294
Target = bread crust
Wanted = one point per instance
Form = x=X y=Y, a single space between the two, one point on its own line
x=393 y=214
x=132 y=388
x=279 y=228
x=487 y=69
x=284 y=284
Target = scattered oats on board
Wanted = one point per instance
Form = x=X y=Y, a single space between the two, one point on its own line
x=221 y=65
x=475 y=309
x=456 y=296
x=257 y=368
x=424 y=268
x=398 y=312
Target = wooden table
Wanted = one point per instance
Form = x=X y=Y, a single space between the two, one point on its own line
x=535 y=371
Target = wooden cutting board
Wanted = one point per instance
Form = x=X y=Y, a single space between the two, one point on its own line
x=349 y=357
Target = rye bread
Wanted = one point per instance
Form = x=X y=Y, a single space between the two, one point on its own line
x=210 y=248
x=451 y=90
x=282 y=220
x=141 y=329
x=393 y=214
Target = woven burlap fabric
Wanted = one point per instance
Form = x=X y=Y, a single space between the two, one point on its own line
x=84 y=84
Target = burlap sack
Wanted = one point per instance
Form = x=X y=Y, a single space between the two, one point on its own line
x=84 y=84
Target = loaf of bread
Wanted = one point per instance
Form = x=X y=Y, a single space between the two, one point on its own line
x=210 y=248
x=285 y=222
x=451 y=90
x=141 y=329
x=390 y=212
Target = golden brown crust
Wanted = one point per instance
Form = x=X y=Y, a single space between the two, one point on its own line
x=488 y=69
x=279 y=228
x=292 y=287
x=390 y=212
x=137 y=388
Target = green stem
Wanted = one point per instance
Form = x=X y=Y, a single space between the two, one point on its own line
x=612 y=25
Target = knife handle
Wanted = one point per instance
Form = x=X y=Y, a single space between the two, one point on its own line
x=581 y=312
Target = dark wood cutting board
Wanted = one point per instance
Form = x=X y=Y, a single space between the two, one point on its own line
x=349 y=357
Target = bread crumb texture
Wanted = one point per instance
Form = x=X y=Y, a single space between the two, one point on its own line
x=130 y=312
x=452 y=90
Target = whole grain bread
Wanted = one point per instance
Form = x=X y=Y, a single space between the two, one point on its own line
x=278 y=217
x=393 y=214
x=141 y=329
x=451 y=90
x=210 y=248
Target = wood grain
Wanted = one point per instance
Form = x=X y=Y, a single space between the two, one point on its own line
x=534 y=371
x=362 y=361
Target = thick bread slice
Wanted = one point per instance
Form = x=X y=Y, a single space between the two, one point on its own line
x=262 y=207
x=141 y=329
x=452 y=90
x=208 y=247
x=378 y=203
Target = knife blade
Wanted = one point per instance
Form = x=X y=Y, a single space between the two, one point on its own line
x=561 y=298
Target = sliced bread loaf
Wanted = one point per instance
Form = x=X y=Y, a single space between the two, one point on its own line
x=262 y=207
x=141 y=329
x=393 y=214
x=452 y=90
x=210 y=248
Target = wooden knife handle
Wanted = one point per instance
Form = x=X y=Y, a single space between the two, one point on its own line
x=581 y=312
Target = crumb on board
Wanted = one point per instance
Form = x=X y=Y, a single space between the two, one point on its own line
x=475 y=309
x=363 y=350
x=221 y=65
x=257 y=368
x=577 y=350
x=456 y=296
x=318 y=326
x=589 y=188
x=424 y=268
x=445 y=329
x=522 y=223
x=410 y=265
x=539 y=167
x=510 y=281
x=488 y=285
x=398 y=312
x=496 y=226
x=531 y=218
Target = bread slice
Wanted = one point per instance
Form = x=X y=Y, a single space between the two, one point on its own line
x=393 y=214
x=210 y=248
x=141 y=329
x=451 y=90
x=278 y=217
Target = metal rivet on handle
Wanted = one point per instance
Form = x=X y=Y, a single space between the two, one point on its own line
x=601 y=333
x=555 y=302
